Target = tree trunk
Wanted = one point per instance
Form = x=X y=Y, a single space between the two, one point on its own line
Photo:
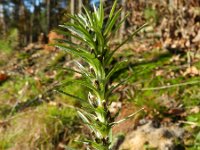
x=123 y=13
x=72 y=8
x=31 y=29
x=2 y=20
x=22 y=23
x=31 y=22
x=48 y=15
x=79 y=6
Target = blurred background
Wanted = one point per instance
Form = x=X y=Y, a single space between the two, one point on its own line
x=164 y=68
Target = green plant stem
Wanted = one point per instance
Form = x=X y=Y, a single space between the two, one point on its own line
x=95 y=32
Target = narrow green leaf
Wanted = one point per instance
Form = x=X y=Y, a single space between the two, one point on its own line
x=83 y=54
x=88 y=13
x=101 y=14
x=91 y=118
x=68 y=148
x=101 y=114
x=78 y=19
x=117 y=26
x=126 y=40
x=69 y=34
x=79 y=29
x=77 y=46
x=112 y=22
x=95 y=145
x=85 y=72
x=81 y=82
x=98 y=146
x=89 y=122
x=110 y=136
x=83 y=117
x=70 y=95
x=116 y=68
x=131 y=36
x=82 y=18
x=88 y=57
x=113 y=9
x=70 y=69
x=110 y=90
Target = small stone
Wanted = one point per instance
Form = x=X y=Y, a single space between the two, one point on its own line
x=143 y=121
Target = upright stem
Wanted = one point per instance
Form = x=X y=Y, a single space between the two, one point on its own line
x=94 y=32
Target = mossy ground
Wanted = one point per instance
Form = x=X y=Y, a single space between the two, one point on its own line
x=34 y=116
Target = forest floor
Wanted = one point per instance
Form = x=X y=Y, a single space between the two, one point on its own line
x=34 y=116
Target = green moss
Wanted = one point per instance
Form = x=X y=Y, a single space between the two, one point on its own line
x=4 y=145
x=42 y=128
x=151 y=15
x=5 y=47
x=65 y=115
x=5 y=110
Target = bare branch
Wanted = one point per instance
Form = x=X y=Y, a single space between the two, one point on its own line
x=170 y=86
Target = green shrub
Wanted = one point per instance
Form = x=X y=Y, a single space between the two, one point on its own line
x=4 y=46
x=13 y=38
x=10 y=42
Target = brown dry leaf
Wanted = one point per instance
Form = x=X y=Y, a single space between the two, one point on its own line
x=197 y=37
x=159 y=73
x=51 y=74
x=51 y=40
x=175 y=58
x=195 y=110
x=167 y=120
x=51 y=103
x=29 y=47
x=192 y=71
x=4 y=124
x=157 y=45
x=172 y=74
x=30 y=70
x=175 y=111
x=3 y=77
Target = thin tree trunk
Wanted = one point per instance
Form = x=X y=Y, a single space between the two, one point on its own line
x=48 y=15
x=122 y=29
x=31 y=22
x=72 y=8
x=2 y=20
x=31 y=29
x=79 y=6
x=22 y=20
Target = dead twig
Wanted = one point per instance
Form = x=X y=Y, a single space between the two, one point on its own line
x=190 y=123
x=170 y=86
x=126 y=118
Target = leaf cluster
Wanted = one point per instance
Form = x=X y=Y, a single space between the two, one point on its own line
x=94 y=34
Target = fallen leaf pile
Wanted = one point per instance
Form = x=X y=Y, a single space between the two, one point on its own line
x=176 y=25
